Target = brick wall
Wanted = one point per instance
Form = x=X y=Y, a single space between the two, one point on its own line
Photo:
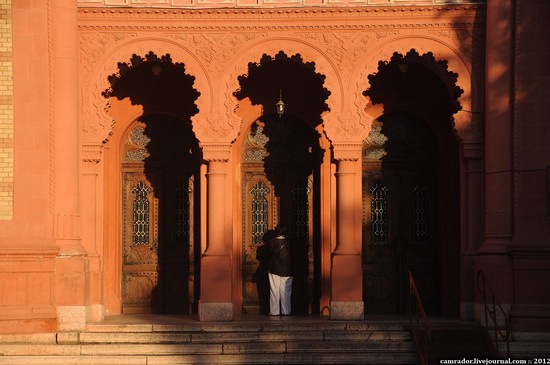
x=6 y=112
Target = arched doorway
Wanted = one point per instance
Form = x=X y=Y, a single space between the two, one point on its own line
x=281 y=161
x=401 y=231
x=280 y=185
x=158 y=168
x=411 y=187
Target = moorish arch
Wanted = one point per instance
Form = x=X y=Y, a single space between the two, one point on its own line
x=106 y=121
x=428 y=52
x=290 y=46
x=97 y=123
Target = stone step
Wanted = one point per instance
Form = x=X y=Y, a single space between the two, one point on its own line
x=526 y=349
x=340 y=358
x=229 y=327
x=206 y=348
x=224 y=337
x=187 y=342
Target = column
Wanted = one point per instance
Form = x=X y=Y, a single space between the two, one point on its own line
x=346 y=273
x=70 y=264
x=215 y=288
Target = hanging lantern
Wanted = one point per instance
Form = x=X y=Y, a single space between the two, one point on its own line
x=280 y=105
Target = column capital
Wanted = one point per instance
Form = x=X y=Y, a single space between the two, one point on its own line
x=471 y=150
x=347 y=151
x=92 y=152
x=216 y=151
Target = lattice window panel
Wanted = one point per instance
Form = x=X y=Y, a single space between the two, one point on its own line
x=379 y=214
x=182 y=213
x=260 y=212
x=140 y=214
x=300 y=214
x=421 y=216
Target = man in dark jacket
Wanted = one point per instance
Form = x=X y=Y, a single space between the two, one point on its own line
x=280 y=273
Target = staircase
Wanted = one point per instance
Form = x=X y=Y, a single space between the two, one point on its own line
x=458 y=340
x=173 y=340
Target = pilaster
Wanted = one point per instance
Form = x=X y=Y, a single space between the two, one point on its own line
x=70 y=267
x=493 y=257
x=498 y=128
x=216 y=303
x=347 y=283
x=92 y=230
x=472 y=218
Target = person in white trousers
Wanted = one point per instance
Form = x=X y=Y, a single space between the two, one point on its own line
x=280 y=273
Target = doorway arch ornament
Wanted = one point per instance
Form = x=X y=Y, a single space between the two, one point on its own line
x=97 y=124
x=271 y=47
x=467 y=121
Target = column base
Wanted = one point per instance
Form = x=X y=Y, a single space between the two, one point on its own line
x=96 y=313
x=347 y=310
x=215 y=311
x=71 y=318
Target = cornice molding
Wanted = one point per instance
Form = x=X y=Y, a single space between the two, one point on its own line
x=124 y=19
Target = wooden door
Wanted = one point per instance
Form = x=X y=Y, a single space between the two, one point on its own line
x=401 y=210
x=158 y=220
x=140 y=265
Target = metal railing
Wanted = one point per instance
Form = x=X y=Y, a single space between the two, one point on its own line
x=420 y=329
x=492 y=309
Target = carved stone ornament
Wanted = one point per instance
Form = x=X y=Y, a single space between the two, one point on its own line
x=137 y=144
x=374 y=144
x=255 y=144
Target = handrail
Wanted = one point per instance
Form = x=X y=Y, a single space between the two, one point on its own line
x=490 y=307
x=423 y=344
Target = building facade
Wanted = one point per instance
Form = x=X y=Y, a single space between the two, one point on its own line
x=150 y=147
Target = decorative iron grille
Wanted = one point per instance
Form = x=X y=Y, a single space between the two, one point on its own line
x=140 y=209
x=420 y=214
x=379 y=214
x=182 y=221
x=260 y=214
x=300 y=213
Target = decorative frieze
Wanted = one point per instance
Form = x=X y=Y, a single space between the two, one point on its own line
x=170 y=4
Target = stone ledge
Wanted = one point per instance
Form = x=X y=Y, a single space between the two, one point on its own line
x=215 y=311
x=347 y=310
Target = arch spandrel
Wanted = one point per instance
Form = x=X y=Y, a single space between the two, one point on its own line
x=290 y=46
x=97 y=123
x=467 y=127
